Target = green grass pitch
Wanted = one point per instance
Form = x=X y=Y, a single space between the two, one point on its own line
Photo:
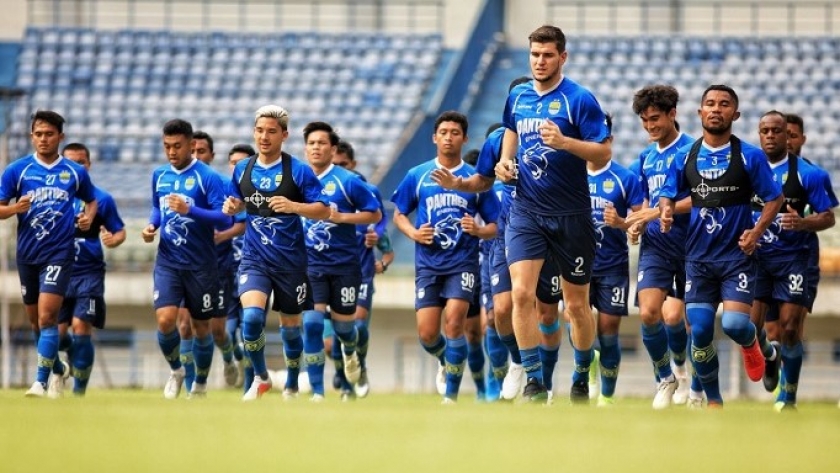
x=138 y=431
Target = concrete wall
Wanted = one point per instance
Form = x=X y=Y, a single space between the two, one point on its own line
x=14 y=20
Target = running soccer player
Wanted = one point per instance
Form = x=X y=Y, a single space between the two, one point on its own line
x=446 y=247
x=84 y=304
x=276 y=189
x=554 y=126
x=187 y=197
x=335 y=271
x=661 y=277
x=783 y=255
x=44 y=186
x=721 y=237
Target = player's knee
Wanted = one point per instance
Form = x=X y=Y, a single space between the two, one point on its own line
x=790 y=336
x=650 y=314
x=702 y=334
x=735 y=324
x=313 y=324
x=577 y=309
x=523 y=296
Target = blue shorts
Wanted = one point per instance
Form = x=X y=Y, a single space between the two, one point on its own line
x=52 y=278
x=197 y=289
x=782 y=281
x=569 y=239
x=433 y=290
x=85 y=300
x=499 y=272
x=813 y=277
x=608 y=294
x=337 y=291
x=659 y=272
x=290 y=290
x=772 y=314
x=227 y=293
x=485 y=293
x=365 y=297
x=712 y=283
x=549 y=289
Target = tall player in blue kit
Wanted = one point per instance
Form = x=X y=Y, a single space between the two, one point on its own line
x=276 y=189
x=44 y=186
x=554 y=126
x=722 y=174
x=187 y=198
x=446 y=247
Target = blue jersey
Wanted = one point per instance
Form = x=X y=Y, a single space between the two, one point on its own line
x=45 y=232
x=334 y=247
x=713 y=233
x=654 y=165
x=451 y=250
x=277 y=242
x=186 y=241
x=613 y=186
x=636 y=166
x=368 y=258
x=89 y=255
x=488 y=157
x=226 y=256
x=553 y=182
x=780 y=244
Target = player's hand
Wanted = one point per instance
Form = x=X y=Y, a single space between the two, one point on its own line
x=23 y=204
x=551 y=135
x=749 y=241
x=424 y=235
x=148 y=233
x=791 y=219
x=371 y=238
x=504 y=170
x=444 y=178
x=335 y=215
x=281 y=204
x=611 y=217
x=666 y=219
x=107 y=237
x=469 y=225
x=232 y=206
x=634 y=233
x=177 y=204
x=83 y=221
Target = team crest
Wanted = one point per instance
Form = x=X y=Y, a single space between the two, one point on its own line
x=421 y=293
x=243 y=278
x=329 y=188
x=554 y=107
x=177 y=185
x=688 y=286
x=189 y=183
x=785 y=177
x=155 y=294
x=64 y=177
x=609 y=186
x=278 y=178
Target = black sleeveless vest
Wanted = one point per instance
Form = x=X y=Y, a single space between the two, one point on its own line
x=795 y=195
x=733 y=187
x=256 y=201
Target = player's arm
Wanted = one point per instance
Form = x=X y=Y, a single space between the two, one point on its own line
x=594 y=152
x=149 y=231
x=112 y=239
x=368 y=206
x=423 y=235
x=812 y=223
x=474 y=184
x=311 y=210
x=471 y=227
x=21 y=205
x=235 y=230
x=614 y=220
x=356 y=218
x=510 y=145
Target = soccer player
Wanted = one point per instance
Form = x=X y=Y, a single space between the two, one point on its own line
x=236 y=154
x=84 y=304
x=371 y=237
x=722 y=174
x=187 y=197
x=555 y=126
x=276 y=189
x=661 y=278
x=44 y=186
x=203 y=151
x=783 y=255
x=446 y=247
x=614 y=192
x=335 y=271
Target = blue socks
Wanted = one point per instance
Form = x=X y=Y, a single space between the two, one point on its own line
x=791 y=367
x=706 y=362
x=436 y=349
x=347 y=334
x=509 y=341
x=454 y=355
x=82 y=359
x=226 y=348
x=475 y=360
x=292 y=349
x=313 y=348
x=231 y=326
x=655 y=340
x=362 y=342
x=677 y=342
x=47 y=353
x=188 y=361
x=583 y=360
x=203 y=353
x=610 y=361
x=739 y=327
x=253 y=336
x=169 y=344
x=549 y=354
x=532 y=364
x=496 y=352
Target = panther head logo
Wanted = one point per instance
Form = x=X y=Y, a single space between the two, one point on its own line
x=177 y=229
x=44 y=222
x=448 y=231
x=318 y=235
x=599 y=232
x=535 y=159
x=708 y=213
x=266 y=228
